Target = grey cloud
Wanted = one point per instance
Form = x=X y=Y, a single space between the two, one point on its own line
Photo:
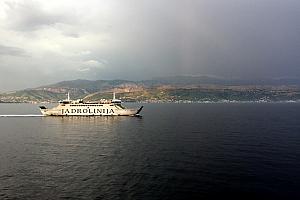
x=30 y=16
x=141 y=39
x=73 y=35
x=12 y=51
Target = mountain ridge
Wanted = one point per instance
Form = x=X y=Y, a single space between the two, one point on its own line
x=176 y=88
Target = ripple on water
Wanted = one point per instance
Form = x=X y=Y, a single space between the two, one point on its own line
x=250 y=149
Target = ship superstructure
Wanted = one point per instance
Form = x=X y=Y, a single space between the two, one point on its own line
x=79 y=107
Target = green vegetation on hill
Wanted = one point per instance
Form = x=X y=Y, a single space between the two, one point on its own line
x=196 y=94
x=31 y=96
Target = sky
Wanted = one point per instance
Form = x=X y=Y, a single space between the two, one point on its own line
x=43 y=42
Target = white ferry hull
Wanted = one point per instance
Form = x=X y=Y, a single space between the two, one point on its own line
x=79 y=110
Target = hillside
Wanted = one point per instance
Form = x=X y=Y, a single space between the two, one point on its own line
x=202 y=95
x=180 y=88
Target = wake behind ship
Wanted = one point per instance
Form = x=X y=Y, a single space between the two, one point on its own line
x=78 y=107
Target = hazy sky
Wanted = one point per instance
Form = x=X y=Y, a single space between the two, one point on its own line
x=44 y=42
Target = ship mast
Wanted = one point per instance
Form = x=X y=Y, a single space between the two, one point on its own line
x=114 y=100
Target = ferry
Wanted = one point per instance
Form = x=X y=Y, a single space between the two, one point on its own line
x=78 y=107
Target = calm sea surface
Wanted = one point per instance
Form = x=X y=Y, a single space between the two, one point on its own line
x=176 y=151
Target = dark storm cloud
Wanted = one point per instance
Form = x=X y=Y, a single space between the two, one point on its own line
x=226 y=38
